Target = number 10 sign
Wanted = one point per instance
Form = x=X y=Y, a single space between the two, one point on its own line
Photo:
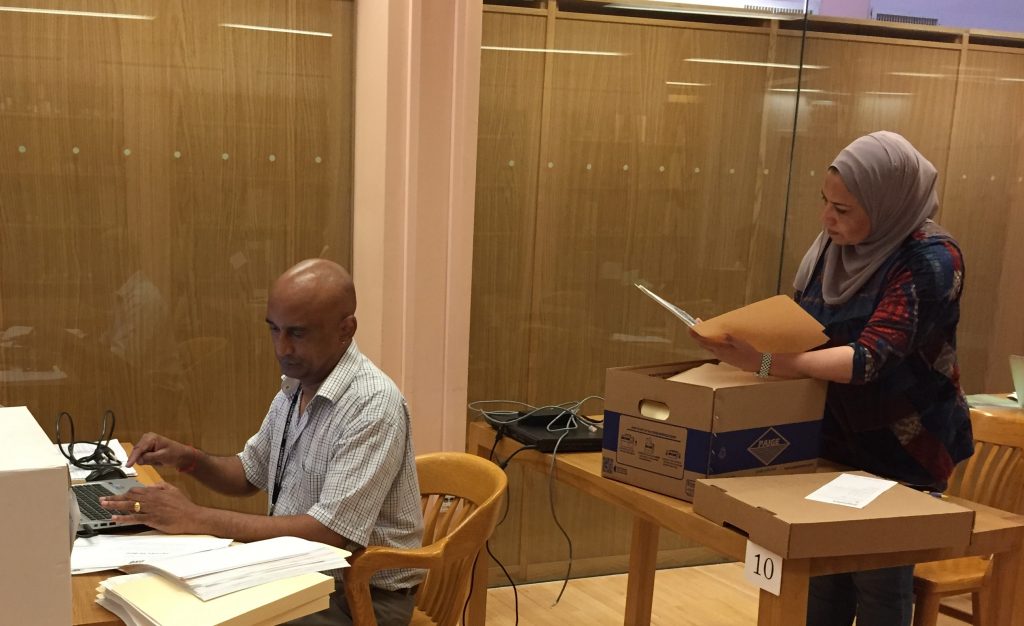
x=763 y=568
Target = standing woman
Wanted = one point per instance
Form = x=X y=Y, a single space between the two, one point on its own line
x=885 y=281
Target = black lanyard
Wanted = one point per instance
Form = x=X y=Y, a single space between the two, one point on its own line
x=282 y=454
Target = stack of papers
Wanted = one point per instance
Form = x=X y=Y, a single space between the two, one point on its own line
x=93 y=554
x=215 y=573
x=148 y=599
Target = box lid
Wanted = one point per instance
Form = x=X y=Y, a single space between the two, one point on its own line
x=774 y=513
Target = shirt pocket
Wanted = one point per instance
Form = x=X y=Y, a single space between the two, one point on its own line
x=314 y=468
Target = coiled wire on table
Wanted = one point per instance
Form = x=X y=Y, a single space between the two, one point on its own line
x=101 y=456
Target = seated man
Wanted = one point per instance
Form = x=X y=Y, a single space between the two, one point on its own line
x=334 y=451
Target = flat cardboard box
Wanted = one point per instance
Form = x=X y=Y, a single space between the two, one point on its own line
x=774 y=513
x=35 y=539
x=663 y=435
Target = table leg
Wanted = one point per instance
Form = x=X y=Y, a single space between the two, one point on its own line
x=789 y=608
x=643 y=560
x=1007 y=589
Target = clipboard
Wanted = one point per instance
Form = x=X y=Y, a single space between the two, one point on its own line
x=687 y=319
x=776 y=324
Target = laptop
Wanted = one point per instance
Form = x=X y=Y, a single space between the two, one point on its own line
x=534 y=432
x=1017 y=372
x=95 y=518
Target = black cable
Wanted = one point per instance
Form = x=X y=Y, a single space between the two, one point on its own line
x=495 y=419
x=472 y=578
x=499 y=420
x=498 y=434
x=551 y=502
x=487 y=545
x=101 y=456
x=505 y=463
x=515 y=591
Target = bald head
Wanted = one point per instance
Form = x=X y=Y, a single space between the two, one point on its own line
x=318 y=283
x=311 y=315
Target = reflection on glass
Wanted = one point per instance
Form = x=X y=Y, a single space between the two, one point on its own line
x=788 y=66
x=118 y=16
x=596 y=53
x=273 y=29
x=159 y=172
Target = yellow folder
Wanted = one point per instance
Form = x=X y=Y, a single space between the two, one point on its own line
x=167 y=603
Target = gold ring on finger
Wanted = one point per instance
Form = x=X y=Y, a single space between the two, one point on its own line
x=137 y=507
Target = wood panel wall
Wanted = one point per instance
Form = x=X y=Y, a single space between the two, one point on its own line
x=157 y=174
x=984 y=208
x=636 y=162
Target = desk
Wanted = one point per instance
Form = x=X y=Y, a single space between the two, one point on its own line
x=995 y=532
x=84 y=610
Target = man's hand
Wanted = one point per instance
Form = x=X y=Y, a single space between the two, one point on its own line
x=154 y=449
x=162 y=506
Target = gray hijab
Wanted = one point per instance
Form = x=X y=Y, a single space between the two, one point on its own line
x=896 y=186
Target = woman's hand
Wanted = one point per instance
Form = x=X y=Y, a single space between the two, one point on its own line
x=731 y=350
x=832 y=364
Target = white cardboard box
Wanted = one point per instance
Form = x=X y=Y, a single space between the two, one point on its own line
x=35 y=580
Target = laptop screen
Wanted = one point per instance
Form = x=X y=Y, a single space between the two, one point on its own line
x=1017 y=371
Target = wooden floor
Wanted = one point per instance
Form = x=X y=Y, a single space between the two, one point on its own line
x=709 y=595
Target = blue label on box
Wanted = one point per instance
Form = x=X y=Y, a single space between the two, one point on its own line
x=610 y=438
x=739 y=450
x=758 y=447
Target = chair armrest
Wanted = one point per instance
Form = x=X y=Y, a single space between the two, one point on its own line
x=365 y=562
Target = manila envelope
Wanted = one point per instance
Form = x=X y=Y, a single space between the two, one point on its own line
x=774 y=325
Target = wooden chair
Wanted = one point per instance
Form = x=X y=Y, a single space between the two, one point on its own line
x=994 y=476
x=462 y=496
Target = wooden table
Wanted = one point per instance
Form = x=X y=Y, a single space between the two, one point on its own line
x=84 y=610
x=995 y=532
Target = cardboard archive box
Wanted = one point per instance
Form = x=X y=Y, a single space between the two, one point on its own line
x=663 y=435
x=35 y=580
x=774 y=513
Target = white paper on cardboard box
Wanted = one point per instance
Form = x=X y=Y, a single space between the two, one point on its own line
x=851 y=490
x=774 y=325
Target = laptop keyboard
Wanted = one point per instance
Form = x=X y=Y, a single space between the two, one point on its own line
x=89 y=501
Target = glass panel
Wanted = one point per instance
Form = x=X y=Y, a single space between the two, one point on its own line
x=686 y=150
x=162 y=162
x=633 y=151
